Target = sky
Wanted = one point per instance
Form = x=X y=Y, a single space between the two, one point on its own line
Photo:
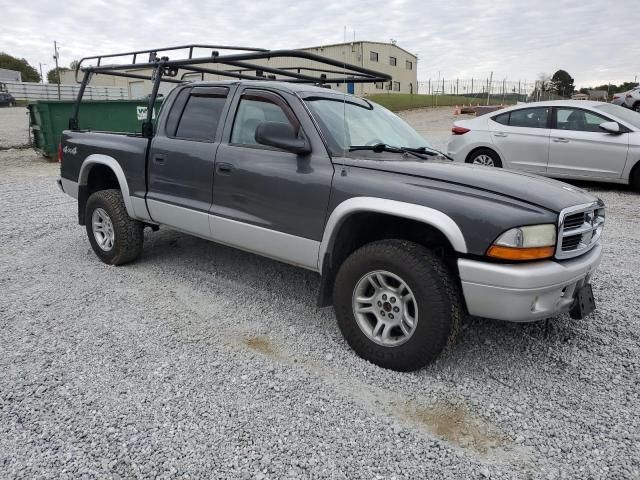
x=595 y=41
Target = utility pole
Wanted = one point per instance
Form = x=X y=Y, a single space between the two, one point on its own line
x=41 y=75
x=489 y=82
x=55 y=57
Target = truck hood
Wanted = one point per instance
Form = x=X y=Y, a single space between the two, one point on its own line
x=544 y=192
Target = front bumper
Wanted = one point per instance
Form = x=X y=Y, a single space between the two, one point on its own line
x=525 y=292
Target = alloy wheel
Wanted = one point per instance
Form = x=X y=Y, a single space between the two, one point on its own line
x=102 y=228
x=485 y=160
x=385 y=308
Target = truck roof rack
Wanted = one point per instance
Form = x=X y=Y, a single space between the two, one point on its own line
x=321 y=70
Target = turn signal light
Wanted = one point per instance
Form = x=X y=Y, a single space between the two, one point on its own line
x=520 y=254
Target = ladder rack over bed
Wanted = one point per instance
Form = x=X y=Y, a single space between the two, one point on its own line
x=314 y=69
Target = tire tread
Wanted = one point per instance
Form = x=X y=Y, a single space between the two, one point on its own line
x=430 y=270
x=129 y=232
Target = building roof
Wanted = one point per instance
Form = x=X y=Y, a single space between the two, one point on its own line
x=361 y=41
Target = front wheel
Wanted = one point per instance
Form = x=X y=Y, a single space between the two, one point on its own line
x=115 y=237
x=486 y=157
x=397 y=305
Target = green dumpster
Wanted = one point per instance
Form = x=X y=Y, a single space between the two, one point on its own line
x=47 y=119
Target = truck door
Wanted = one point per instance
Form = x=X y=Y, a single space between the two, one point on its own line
x=181 y=160
x=267 y=200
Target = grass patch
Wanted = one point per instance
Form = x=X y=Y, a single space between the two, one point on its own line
x=404 y=101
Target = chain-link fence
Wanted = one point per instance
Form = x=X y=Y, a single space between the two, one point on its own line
x=483 y=91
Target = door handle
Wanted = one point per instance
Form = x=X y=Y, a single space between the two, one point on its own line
x=159 y=159
x=224 y=168
x=500 y=134
x=561 y=140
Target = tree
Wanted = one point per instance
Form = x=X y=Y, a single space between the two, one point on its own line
x=543 y=82
x=29 y=74
x=74 y=64
x=53 y=75
x=562 y=83
x=541 y=86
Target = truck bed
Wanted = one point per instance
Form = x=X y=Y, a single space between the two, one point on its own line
x=129 y=150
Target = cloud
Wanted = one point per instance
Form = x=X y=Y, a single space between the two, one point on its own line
x=594 y=42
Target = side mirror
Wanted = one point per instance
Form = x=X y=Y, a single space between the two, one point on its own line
x=610 y=127
x=281 y=135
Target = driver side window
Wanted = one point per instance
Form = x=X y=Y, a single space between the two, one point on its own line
x=252 y=111
x=578 y=120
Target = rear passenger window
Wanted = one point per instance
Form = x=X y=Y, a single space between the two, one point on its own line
x=503 y=118
x=201 y=115
x=529 y=117
x=176 y=111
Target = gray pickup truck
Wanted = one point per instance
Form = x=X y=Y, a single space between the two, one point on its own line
x=406 y=242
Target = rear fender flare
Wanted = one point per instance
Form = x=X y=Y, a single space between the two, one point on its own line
x=429 y=216
x=99 y=159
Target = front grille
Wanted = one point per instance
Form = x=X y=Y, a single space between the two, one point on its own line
x=575 y=220
x=571 y=243
x=579 y=229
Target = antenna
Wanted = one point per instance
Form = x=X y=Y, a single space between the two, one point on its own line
x=344 y=104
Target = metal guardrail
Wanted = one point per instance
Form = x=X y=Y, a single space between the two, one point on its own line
x=38 y=91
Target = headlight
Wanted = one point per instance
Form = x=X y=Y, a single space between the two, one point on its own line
x=534 y=242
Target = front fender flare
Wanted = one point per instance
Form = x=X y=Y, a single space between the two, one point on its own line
x=429 y=216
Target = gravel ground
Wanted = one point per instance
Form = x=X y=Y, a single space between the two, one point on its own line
x=434 y=124
x=14 y=127
x=200 y=361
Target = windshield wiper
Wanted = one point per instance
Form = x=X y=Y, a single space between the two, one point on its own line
x=428 y=151
x=383 y=147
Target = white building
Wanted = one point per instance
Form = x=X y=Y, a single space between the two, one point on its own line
x=10 y=75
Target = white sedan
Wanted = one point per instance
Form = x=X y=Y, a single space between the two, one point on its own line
x=566 y=139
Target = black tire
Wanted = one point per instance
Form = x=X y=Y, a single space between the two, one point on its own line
x=434 y=290
x=636 y=107
x=128 y=233
x=634 y=180
x=497 y=163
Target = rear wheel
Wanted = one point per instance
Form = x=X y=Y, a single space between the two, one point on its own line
x=486 y=157
x=634 y=181
x=397 y=305
x=115 y=237
x=636 y=107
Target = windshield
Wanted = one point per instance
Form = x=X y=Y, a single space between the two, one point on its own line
x=623 y=114
x=346 y=123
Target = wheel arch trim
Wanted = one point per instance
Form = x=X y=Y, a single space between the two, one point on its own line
x=112 y=163
x=429 y=216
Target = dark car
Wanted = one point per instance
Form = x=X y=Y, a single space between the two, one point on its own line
x=405 y=242
x=7 y=100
